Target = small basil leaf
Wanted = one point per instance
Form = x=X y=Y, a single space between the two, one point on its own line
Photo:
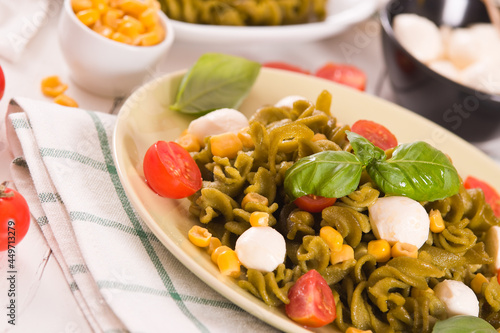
x=366 y=151
x=416 y=170
x=331 y=174
x=215 y=81
x=463 y=324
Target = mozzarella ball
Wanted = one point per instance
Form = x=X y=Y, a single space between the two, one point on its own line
x=457 y=297
x=445 y=68
x=487 y=39
x=399 y=219
x=492 y=244
x=261 y=248
x=463 y=48
x=218 y=122
x=289 y=100
x=419 y=36
x=484 y=75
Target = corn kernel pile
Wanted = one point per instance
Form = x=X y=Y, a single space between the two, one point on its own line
x=132 y=22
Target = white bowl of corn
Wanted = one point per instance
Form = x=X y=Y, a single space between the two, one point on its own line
x=113 y=46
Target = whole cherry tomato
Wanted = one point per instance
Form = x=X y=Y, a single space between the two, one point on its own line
x=170 y=171
x=311 y=301
x=491 y=196
x=2 y=83
x=285 y=66
x=345 y=74
x=375 y=133
x=313 y=203
x=14 y=217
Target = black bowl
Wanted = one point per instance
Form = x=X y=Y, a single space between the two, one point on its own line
x=469 y=113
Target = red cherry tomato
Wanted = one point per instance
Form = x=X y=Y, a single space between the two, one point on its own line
x=2 y=83
x=345 y=74
x=311 y=301
x=491 y=196
x=375 y=133
x=285 y=66
x=314 y=203
x=498 y=276
x=170 y=171
x=14 y=218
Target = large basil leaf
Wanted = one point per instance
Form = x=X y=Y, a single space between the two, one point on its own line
x=416 y=170
x=215 y=81
x=463 y=324
x=366 y=151
x=331 y=174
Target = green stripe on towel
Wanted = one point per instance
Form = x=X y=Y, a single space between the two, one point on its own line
x=167 y=282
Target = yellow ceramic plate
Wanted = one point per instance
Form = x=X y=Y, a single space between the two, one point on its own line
x=145 y=118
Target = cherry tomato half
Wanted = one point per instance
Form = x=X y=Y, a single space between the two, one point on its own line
x=375 y=133
x=2 y=83
x=170 y=171
x=491 y=196
x=285 y=66
x=314 y=203
x=345 y=74
x=14 y=218
x=311 y=301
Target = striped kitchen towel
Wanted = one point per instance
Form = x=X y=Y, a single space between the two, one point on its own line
x=122 y=277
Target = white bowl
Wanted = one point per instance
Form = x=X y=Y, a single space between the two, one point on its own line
x=103 y=66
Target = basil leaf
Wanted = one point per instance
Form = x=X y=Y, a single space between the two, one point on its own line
x=416 y=170
x=331 y=174
x=366 y=151
x=215 y=81
x=463 y=324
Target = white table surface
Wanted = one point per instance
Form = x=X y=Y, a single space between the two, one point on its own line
x=45 y=303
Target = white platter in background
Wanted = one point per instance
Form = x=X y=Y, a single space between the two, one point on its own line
x=342 y=15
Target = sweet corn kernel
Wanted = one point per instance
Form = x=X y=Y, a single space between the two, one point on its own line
x=259 y=219
x=103 y=30
x=477 y=283
x=119 y=37
x=88 y=16
x=436 y=221
x=218 y=251
x=52 y=86
x=246 y=138
x=65 y=100
x=199 y=236
x=404 y=250
x=214 y=244
x=331 y=237
x=149 y=38
x=149 y=18
x=129 y=28
x=380 y=249
x=225 y=145
x=229 y=264
x=189 y=142
x=100 y=5
x=357 y=330
x=112 y=17
x=254 y=197
x=79 y=5
x=133 y=7
x=319 y=136
x=345 y=253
